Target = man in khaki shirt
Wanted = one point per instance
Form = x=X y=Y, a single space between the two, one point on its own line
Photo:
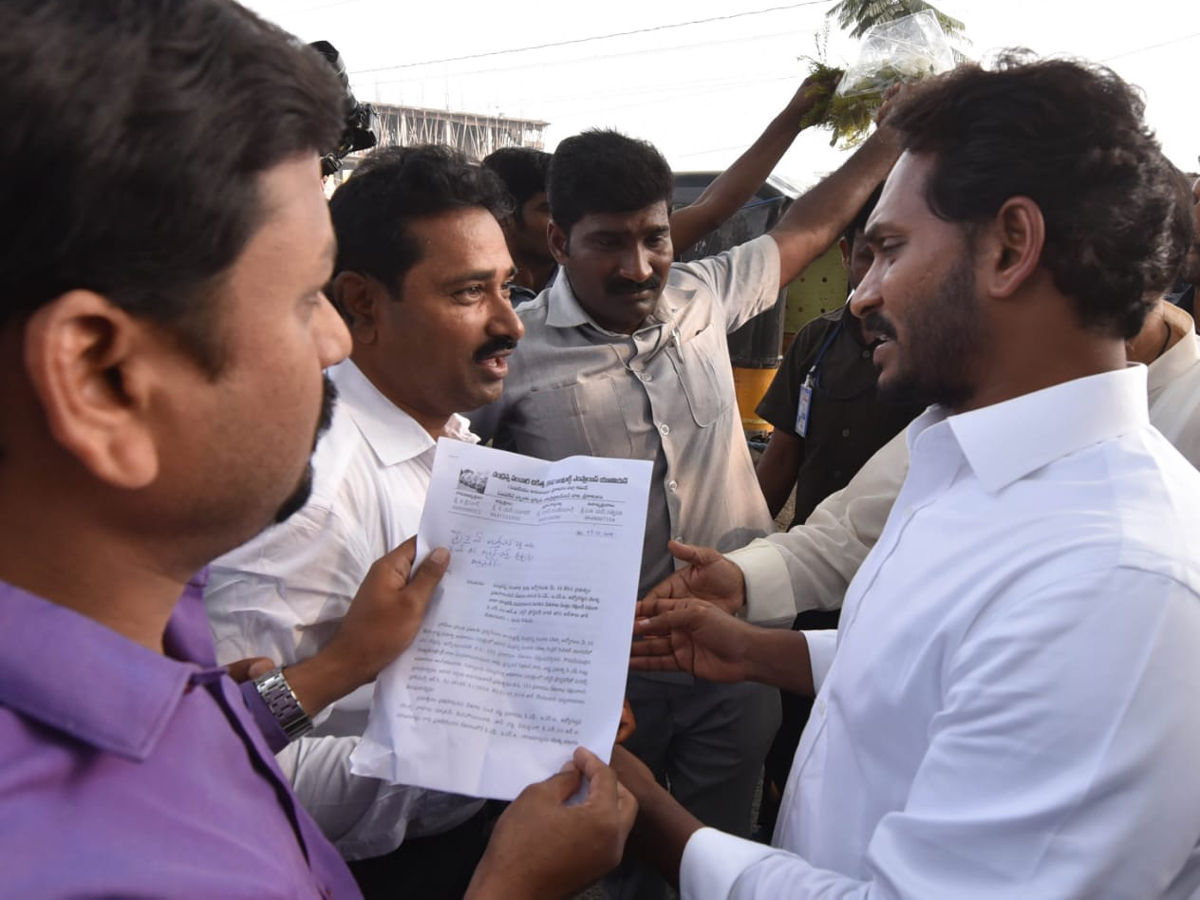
x=625 y=356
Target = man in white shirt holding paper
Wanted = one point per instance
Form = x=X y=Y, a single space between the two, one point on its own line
x=421 y=278
x=1008 y=708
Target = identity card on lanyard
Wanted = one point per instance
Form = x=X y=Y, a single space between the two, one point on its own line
x=805 y=404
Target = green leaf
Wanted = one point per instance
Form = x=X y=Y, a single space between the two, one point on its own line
x=858 y=16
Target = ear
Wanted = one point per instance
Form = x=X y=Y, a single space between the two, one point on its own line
x=844 y=246
x=91 y=368
x=1016 y=238
x=559 y=241
x=357 y=294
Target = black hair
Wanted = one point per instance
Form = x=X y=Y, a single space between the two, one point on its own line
x=1184 y=222
x=1070 y=136
x=134 y=134
x=602 y=171
x=523 y=171
x=859 y=223
x=393 y=187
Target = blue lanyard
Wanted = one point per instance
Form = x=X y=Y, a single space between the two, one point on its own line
x=814 y=372
x=811 y=380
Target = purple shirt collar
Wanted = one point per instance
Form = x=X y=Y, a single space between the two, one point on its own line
x=83 y=660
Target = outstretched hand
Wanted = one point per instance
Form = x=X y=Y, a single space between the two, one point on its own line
x=708 y=576
x=683 y=634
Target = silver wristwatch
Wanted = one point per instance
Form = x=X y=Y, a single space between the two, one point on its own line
x=282 y=702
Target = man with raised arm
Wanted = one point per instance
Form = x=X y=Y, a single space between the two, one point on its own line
x=626 y=356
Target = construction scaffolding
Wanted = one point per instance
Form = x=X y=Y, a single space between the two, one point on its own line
x=475 y=135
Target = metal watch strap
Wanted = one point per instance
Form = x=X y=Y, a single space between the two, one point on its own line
x=282 y=702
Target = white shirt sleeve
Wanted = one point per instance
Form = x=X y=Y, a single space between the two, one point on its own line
x=1043 y=777
x=719 y=866
x=811 y=566
x=821 y=646
x=283 y=595
x=364 y=817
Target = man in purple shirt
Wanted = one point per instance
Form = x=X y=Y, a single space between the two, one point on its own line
x=162 y=339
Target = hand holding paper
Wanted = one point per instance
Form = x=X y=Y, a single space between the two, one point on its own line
x=380 y=624
x=524 y=652
x=548 y=848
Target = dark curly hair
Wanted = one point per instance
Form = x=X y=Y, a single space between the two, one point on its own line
x=1070 y=136
x=134 y=135
x=859 y=223
x=394 y=187
x=523 y=171
x=602 y=171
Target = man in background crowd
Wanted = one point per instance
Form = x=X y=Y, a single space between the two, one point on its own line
x=524 y=170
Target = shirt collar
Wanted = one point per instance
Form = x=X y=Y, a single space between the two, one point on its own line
x=853 y=326
x=563 y=309
x=1005 y=442
x=74 y=675
x=1179 y=359
x=393 y=435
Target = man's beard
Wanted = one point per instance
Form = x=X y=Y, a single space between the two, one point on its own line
x=296 y=500
x=943 y=337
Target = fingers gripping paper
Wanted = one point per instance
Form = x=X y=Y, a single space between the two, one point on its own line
x=524 y=651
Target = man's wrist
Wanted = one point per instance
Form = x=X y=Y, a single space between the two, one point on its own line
x=662 y=831
x=488 y=883
x=282 y=703
x=323 y=678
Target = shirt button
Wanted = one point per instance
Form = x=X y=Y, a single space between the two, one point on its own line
x=845 y=432
x=664 y=429
x=646 y=377
x=672 y=486
x=678 y=539
x=866 y=354
x=821 y=706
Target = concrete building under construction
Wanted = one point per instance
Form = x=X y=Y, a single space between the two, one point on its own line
x=476 y=135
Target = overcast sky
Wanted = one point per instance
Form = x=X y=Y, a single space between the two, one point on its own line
x=702 y=92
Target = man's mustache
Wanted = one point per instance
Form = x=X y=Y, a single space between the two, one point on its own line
x=494 y=346
x=877 y=326
x=619 y=285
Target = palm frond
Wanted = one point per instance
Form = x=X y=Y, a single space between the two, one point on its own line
x=857 y=16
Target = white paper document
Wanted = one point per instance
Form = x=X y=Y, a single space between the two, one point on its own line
x=524 y=651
